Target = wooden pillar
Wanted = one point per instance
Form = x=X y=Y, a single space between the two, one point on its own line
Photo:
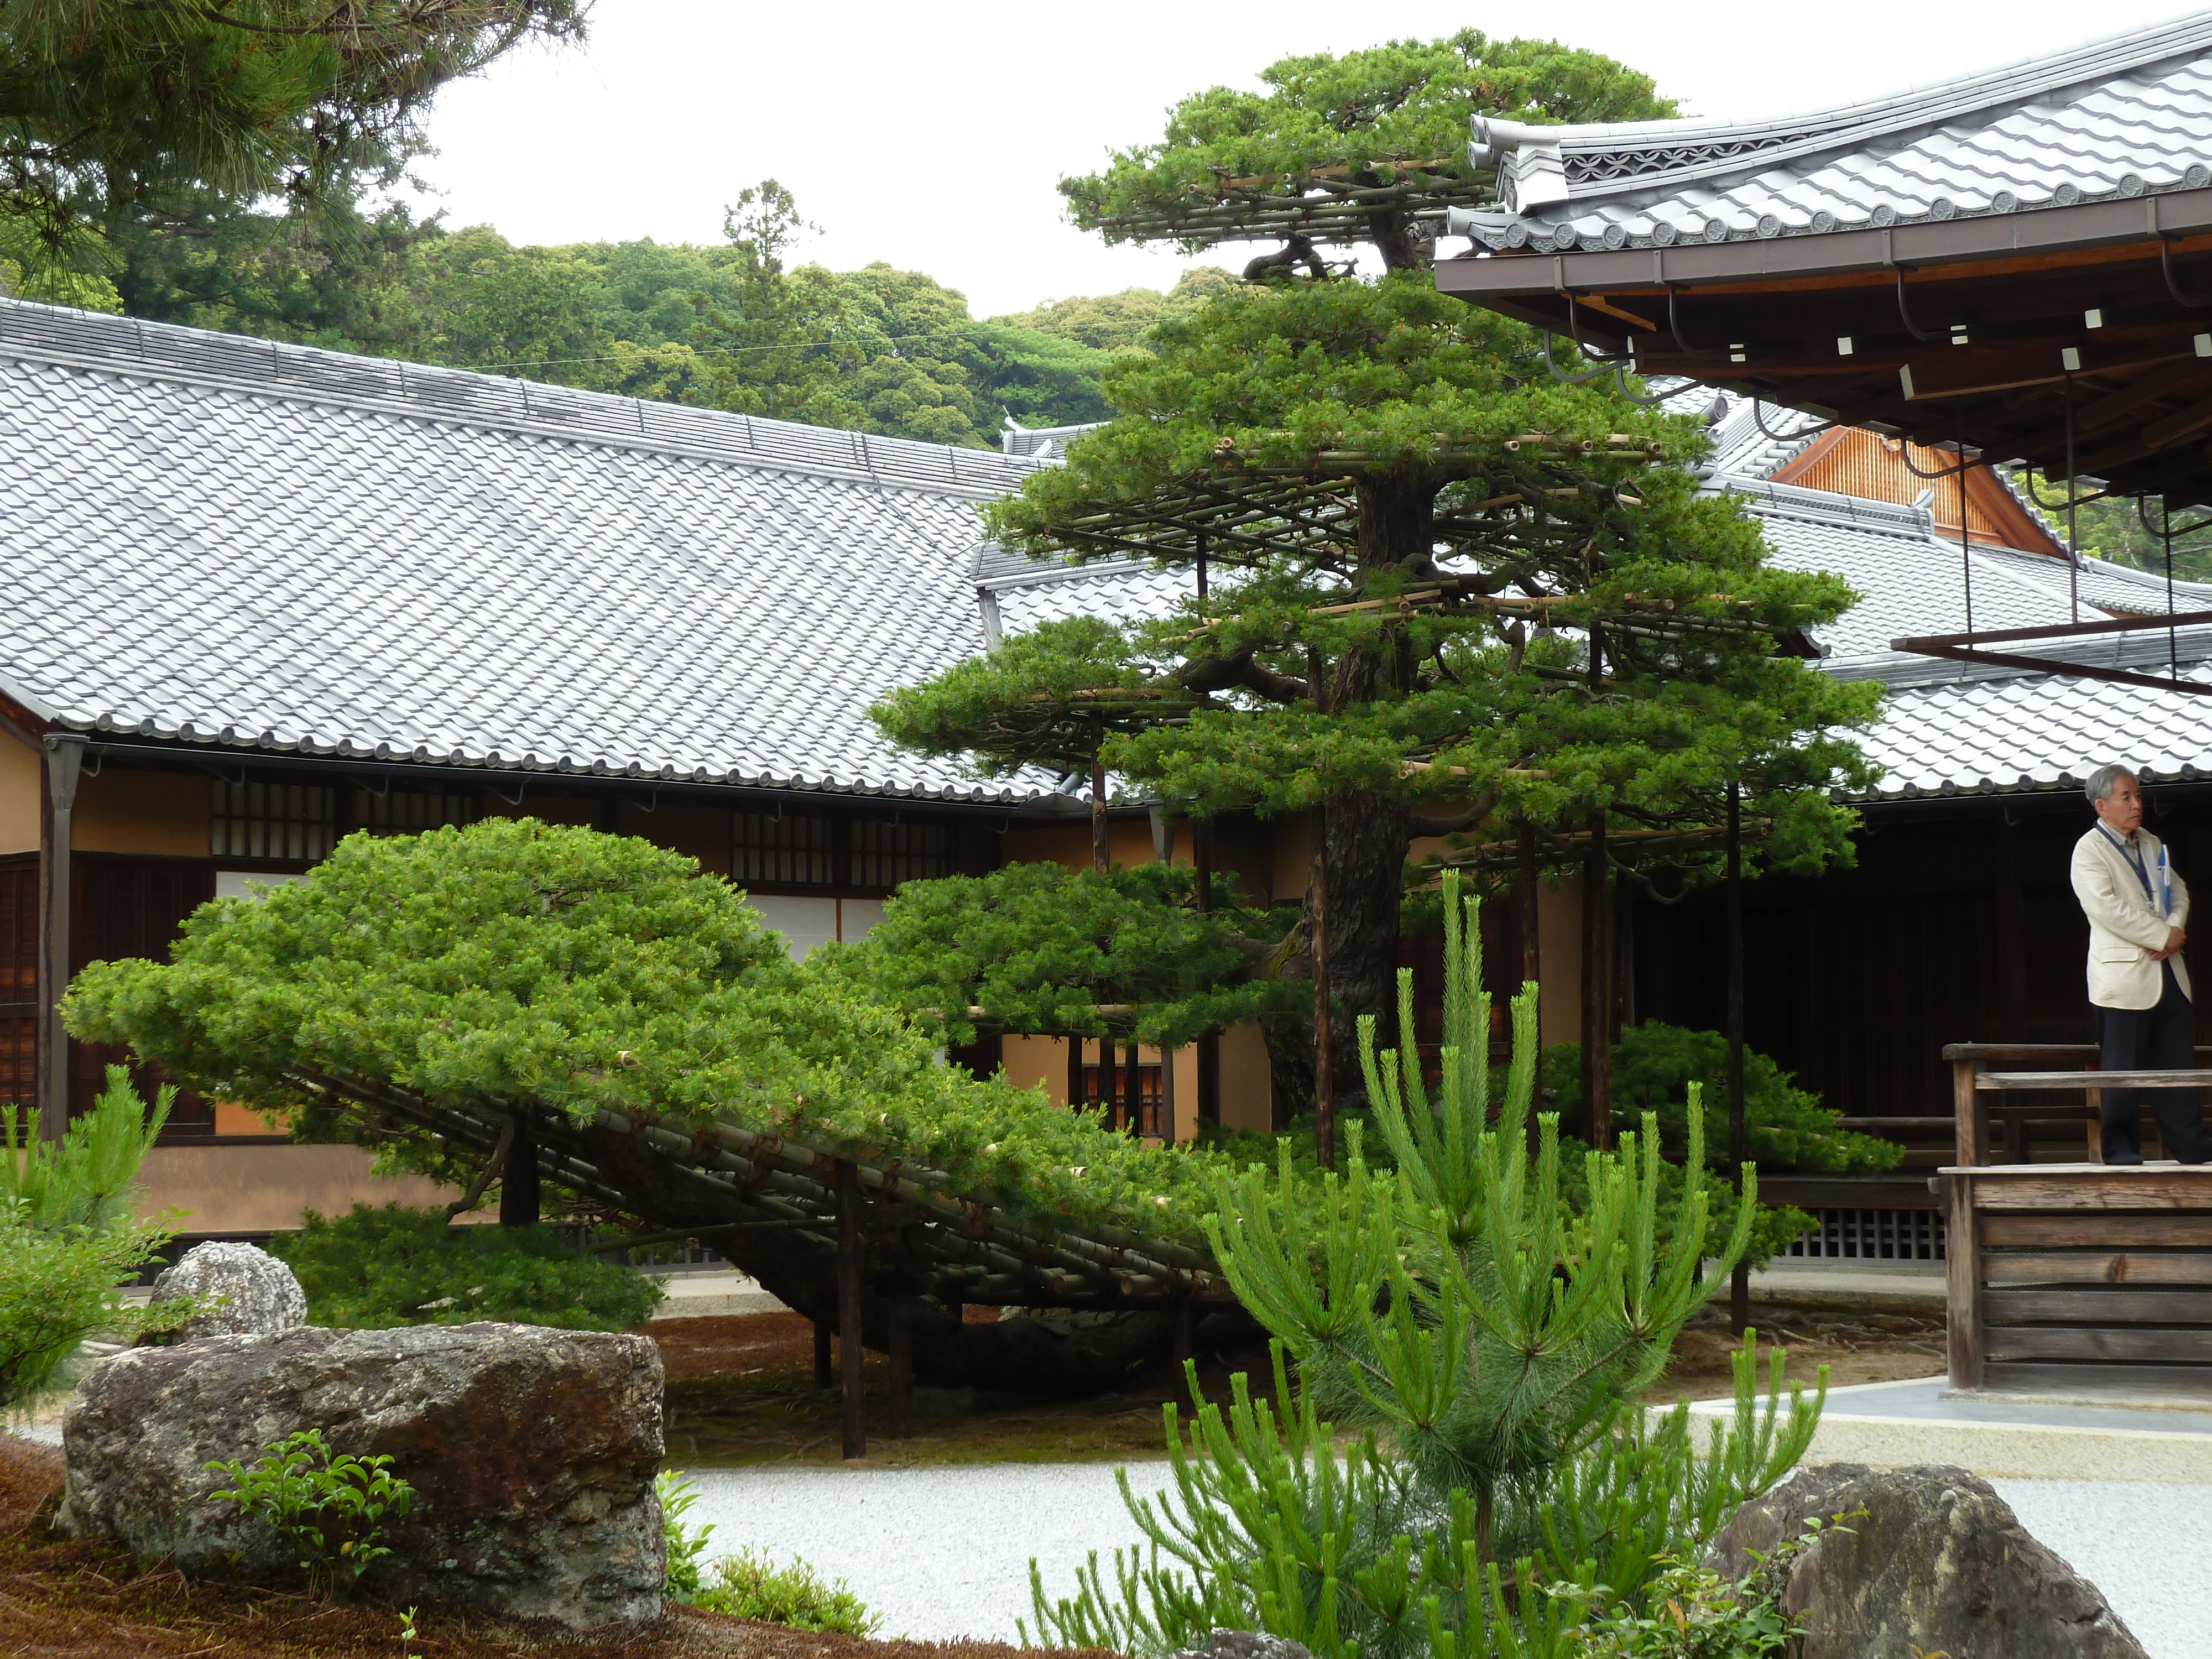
x=1132 y=1090
x=1525 y=904
x=1739 y=1280
x=1075 y=1074
x=1209 y=1045
x=822 y=1355
x=518 y=1182
x=1597 y=985
x=902 y=1357
x=851 y=1267
x=1621 y=950
x=1324 y=1059
x=1962 y=1284
x=63 y=758
x=1185 y=1331
x=1167 y=1095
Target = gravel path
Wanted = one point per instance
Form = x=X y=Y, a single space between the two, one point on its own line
x=946 y=1552
x=939 y=1552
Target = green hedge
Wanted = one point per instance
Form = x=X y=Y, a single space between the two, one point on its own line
x=397 y=1265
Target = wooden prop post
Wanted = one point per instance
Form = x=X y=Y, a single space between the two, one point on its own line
x=851 y=1265
x=902 y=1357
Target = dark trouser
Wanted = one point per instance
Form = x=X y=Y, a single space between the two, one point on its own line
x=2152 y=1040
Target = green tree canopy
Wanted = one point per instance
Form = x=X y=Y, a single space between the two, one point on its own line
x=1040 y=948
x=1387 y=486
x=1365 y=146
x=1123 y=321
x=521 y=963
x=109 y=109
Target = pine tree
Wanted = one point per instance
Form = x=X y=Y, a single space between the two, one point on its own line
x=1486 y=1344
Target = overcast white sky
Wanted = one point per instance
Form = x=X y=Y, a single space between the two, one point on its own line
x=932 y=136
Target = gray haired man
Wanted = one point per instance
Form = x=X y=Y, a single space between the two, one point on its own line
x=2138 y=905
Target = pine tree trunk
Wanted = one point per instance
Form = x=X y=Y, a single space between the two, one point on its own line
x=1368 y=832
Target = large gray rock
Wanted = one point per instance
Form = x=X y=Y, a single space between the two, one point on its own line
x=1937 y=1560
x=532 y=1451
x=248 y=1292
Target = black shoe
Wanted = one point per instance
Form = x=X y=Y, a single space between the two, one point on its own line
x=2123 y=1158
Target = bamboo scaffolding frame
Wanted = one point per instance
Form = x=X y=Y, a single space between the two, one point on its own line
x=789 y=1183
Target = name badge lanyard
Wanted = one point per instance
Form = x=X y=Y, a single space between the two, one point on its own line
x=2136 y=864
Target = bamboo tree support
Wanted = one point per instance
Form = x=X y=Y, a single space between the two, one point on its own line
x=518 y=1187
x=902 y=1357
x=850 y=1267
x=1740 y=1278
x=822 y=1355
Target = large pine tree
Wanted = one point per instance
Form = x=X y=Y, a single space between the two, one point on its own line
x=1446 y=590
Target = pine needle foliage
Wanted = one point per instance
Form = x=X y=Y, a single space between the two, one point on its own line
x=1041 y=948
x=1482 y=1346
x=68 y=1240
x=515 y=962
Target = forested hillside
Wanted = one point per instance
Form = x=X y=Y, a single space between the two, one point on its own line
x=739 y=325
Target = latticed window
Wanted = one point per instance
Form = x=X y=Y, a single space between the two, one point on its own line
x=790 y=850
x=886 y=855
x=399 y=812
x=292 y=821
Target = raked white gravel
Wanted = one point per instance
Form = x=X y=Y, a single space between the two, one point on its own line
x=944 y=1552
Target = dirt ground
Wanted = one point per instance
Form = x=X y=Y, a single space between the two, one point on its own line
x=60 y=1600
x=741 y=1390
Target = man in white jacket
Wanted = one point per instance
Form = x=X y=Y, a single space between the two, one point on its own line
x=2137 y=906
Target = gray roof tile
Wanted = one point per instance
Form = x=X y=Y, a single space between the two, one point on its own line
x=2115 y=118
x=232 y=542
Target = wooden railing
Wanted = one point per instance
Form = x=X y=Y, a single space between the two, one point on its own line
x=2071 y=1277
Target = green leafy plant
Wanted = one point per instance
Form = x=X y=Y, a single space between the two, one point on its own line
x=1482 y=1345
x=1654 y=1065
x=686 y=1546
x=68 y=1242
x=375 y=1267
x=408 y=1636
x=330 y=1506
x=750 y=1586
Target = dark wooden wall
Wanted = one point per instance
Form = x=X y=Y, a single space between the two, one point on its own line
x=1958 y=924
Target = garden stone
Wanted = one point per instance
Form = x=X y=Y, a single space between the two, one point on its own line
x=249 y=1291
x=1937 y=1560
x=1246 y=1644
x=531 y=1452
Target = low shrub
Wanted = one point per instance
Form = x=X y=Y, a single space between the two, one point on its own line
x=749 y=1586
x=67 y=1240
x=686 y=1544
x=397 y=1265
x=329 y=1505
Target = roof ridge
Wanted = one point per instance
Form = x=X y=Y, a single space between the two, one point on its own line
x=1778 y=137
x=1764 y=495
x=275 y=368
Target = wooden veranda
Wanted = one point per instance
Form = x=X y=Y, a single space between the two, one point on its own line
x=2074 y=1278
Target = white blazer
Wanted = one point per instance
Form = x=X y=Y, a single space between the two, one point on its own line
x=2124 y=925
